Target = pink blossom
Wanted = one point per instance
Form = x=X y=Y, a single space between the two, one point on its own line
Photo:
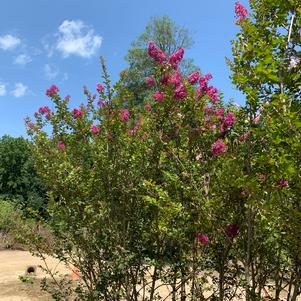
x=229 y=120
x=218 y=147
x=208 y=110
x=241 y=12
x=165 y=79
x=283 y=183
x=94 y=129
x=232 y=230
x=43 y=110
x=158 y=96
x=203 y=239
x=176 y=79
x=208 y=76
x=99 y=88
x=124 y=114
x=100 y=102
x=61 y=145
x=180 y=92
x=147 y=107
x=156 y=53
x=219 y=112
x=194 y=77
x=244 y=136
x=36 y=114
x=257 y=118
x=262 y=177
x=30 y=125
x=67 y=98
x=48 y=116
x=204 y=82
x=198 y=93
x=133 y=130
x=77 y=113
x=212 y=93
x=143 y=137
x=150 y=81
x=53 y=90
x=175 y=58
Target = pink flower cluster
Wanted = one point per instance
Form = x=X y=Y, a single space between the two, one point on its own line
x=165 y=79
x=241 y=12
x=31 y=126
x=203 y=239
x=218 y=147
x=175 y=58
x=150 y=81
x=283 y=183
x=232 y=230
x=53 y=90
x=176 y=79
x=193 y=78
x=180 y=92
x=61 y=145
x=204 y=89
x=133 y=130
x=160 y=57
x=147 y=107
x=212 y=93
x=124 y=114
x=229 y=120
x=100 y=102
x=94 y=129
x=99 y=88
x=77 y=113
x=156 y=53
x=262 y=177
x=204 y=82
x=244 y=136
x=45 y=110
x=158 y=96
x=215 y=118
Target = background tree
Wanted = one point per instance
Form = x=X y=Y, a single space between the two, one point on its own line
x=18 y=178
x=169 y=37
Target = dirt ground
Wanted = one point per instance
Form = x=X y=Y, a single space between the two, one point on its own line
x=14 y=264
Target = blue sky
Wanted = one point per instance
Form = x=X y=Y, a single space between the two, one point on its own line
x=44 y=42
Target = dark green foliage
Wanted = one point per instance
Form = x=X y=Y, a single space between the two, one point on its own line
x=18 y=178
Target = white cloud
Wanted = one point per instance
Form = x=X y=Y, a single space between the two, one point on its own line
x=9 y=42
x=65 y=77
x=76 y=38
x=20 y=90
x=51 y=72
x=2 y=89
x=22 y=59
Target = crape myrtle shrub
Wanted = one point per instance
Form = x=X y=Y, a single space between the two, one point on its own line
x=183 y=193
x=129 y=187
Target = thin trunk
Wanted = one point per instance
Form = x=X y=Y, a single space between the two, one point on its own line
x=153 y=287
x=183 y=289
x=247 y=265
x=296 y=284
x=221 y=281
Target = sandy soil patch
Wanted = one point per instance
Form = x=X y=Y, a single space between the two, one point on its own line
x=14 y=264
